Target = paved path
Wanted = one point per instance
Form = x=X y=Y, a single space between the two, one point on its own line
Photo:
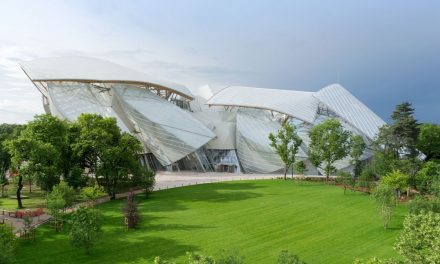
x=166 y=180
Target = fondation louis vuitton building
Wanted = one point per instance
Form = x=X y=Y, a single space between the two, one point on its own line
x=223 y=130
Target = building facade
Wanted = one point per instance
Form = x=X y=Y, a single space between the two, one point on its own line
x=225 y=131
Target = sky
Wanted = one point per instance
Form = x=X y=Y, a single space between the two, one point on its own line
x=383 y=52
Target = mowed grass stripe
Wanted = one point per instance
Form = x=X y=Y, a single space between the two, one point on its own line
x=259 y=218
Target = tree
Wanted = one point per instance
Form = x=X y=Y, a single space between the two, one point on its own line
x=301 y=169
x=7 y=132
x=7 y=245
x=40 y=146
x=119 y=162
x=357 y=146
x=55 y=204
x=420 y=240
x=19 y=150
x=131 y=213
x=61 y=197
x=145 y=177
x=95 y=136
x=287 y=257
x=429 y=141
x=405 y=128
x=286 y=144
x=385 y=198
x=329 y=142
x=428 y=178
x=396 y=144
x=396 y=180
x=85 y=227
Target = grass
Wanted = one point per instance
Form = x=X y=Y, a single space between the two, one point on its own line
x=31 y=200
x=258 y=218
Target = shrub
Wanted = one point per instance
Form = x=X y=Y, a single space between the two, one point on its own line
x=56 y=202
x=367 y=177
x=397 y=180
x=91 y=194
x=420 y=240
x=148 y=181
x=421 y=203
x=196 y=258
x=377 y=261
x=287 y=257
x=229 y=257
x=428 y=178
x=159 y=260
x=85 y=227
x=345 y=179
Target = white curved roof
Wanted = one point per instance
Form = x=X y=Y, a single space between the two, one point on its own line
x=342 y=102
x=91 y=69
x=301 y=105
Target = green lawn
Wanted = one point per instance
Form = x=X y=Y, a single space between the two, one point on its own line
x=34 y=199
x=259 y=218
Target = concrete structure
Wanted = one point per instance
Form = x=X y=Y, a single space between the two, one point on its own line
x=207 y=131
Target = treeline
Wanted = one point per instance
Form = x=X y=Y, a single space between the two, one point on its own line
x=92 y=150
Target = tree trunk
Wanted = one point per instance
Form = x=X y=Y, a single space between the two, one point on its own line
x=30 y=186
x=292 y=171
x=20 y=186
x=285 y=173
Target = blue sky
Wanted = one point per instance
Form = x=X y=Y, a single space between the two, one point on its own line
x=384 y=52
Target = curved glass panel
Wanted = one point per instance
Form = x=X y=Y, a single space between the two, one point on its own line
x=70 y=99
x=169 y=132
x=253 y=149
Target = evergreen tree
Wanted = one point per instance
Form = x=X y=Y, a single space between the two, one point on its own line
x=405 y=129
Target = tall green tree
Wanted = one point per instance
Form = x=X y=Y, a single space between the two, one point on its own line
x=19 y=150
x=405 y=129
x=7 y=132
x=286 y=143
x=41 y=147
x=396 y=143
x=119 y=162
x=95 y=136
x=429 y=141
x=329 y=142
